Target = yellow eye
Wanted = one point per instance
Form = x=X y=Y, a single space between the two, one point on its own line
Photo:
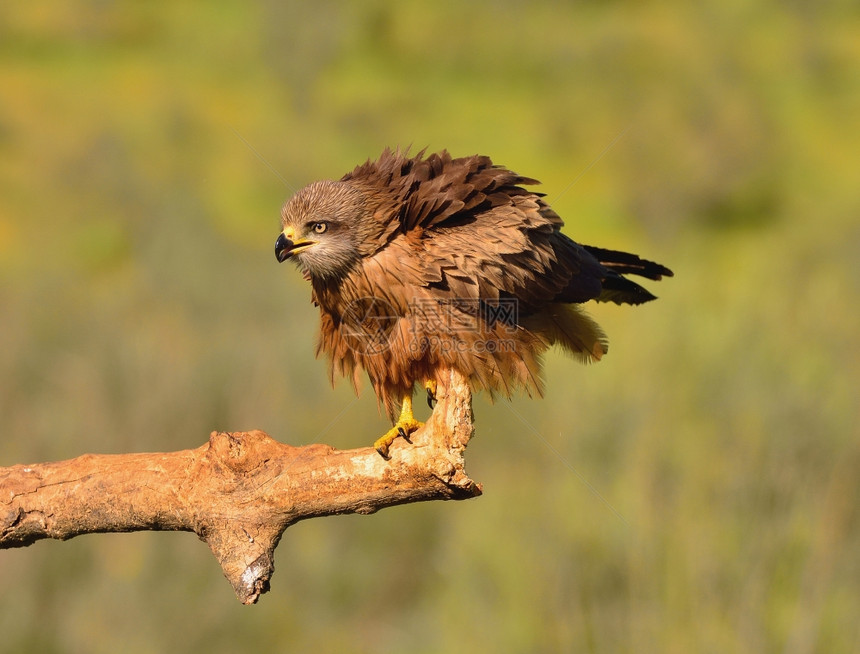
x=320 y=227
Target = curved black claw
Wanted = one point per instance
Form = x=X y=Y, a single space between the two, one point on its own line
x=404 y=434
x=431 y=397
x=383 y=452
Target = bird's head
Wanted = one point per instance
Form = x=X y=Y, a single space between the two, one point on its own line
x=324 y=226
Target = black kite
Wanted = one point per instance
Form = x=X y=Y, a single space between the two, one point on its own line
x=420 y=264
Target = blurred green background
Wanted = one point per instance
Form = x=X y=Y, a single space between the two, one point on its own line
x=695 y=491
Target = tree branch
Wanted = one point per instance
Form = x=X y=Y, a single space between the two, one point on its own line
x=239 y=491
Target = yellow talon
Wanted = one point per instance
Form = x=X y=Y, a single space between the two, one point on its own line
x=405 y=425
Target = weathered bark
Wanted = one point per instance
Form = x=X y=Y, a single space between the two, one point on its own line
x=240 y=491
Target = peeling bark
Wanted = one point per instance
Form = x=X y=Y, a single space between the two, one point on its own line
x=239 y=491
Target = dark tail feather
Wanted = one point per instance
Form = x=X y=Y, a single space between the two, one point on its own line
x=619 y=289
x=625 y=263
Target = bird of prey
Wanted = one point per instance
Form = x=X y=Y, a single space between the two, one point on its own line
x=424 y=263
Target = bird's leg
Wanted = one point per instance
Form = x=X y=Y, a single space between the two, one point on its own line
x=431 y=387
x=405 y=425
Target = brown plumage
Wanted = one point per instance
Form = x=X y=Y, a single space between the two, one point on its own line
x=419 y=264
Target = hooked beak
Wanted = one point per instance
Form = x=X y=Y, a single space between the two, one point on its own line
x=286 y=245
